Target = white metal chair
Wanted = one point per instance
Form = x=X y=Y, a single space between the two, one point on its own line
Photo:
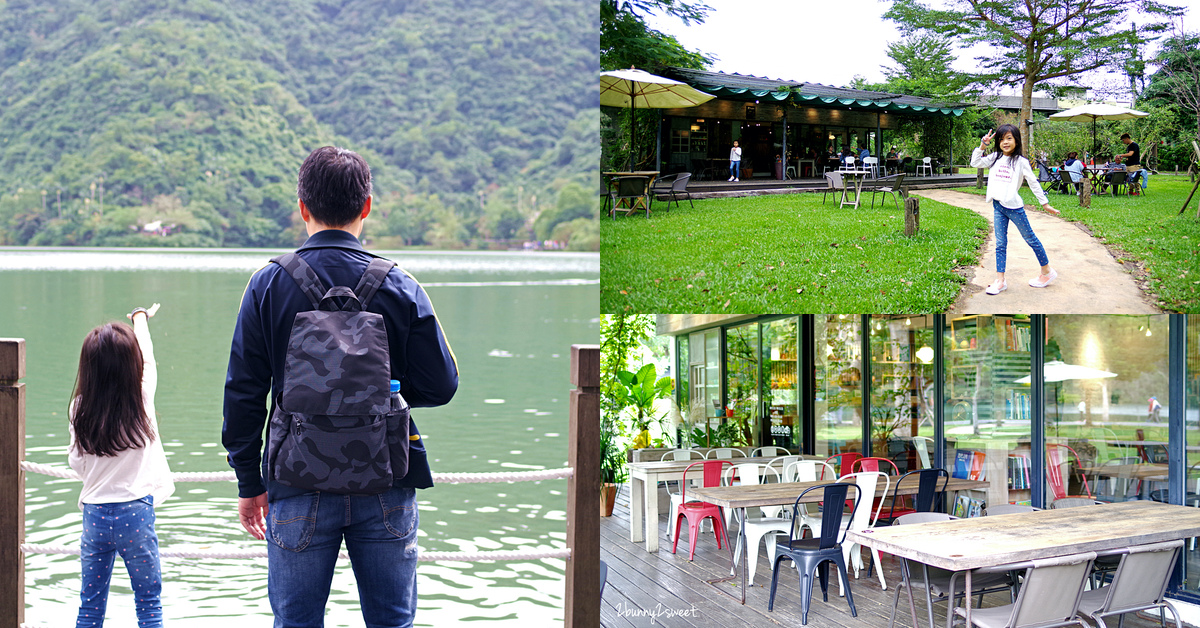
x=863 y=517
x=724 y=453
x=849 y=163
x=872 y=164
x=771 y=522
x=676 y=497
x=1007 y=509
x=781 y=464
x=926 y=165
x=1139 y=584
x=809 y=471
x=768 y=451
x=922 y=445
x=1049 y=596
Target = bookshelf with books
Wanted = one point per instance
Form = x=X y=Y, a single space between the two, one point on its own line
x=987 y=411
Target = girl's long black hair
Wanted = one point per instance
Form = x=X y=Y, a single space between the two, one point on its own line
x=110 y=414
x=1018 y=150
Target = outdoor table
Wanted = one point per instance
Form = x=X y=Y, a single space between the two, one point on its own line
x=1141 y=472
x=966 y=544
x=856 y=176
x=643 y=491
x=741 y=497
x=891 y=165
x=812 y=167
x=613 y=175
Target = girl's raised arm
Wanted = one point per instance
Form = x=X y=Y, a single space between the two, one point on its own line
x=141 y=329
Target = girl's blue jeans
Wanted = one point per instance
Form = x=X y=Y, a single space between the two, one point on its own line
x=306 y=532
x=1017 y=216
x=735 y=169
x=125 y=528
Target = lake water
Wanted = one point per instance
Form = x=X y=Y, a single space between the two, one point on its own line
x=510 y=318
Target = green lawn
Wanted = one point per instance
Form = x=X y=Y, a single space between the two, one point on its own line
x=785 y=253
x=1146 y=229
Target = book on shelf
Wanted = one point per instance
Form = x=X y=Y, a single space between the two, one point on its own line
x=967 y=507
x=1018 y=472
x=969 y=465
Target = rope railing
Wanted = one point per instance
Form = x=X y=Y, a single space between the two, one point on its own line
x=226 y=476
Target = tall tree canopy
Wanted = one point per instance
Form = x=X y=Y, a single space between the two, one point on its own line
x=1035 y=42
x=923 y=69
x=626 y=41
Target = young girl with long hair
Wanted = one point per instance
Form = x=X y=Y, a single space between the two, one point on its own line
x=1007 y=168
x=116 y=449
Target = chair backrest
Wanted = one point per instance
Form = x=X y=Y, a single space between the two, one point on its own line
x=1050 y=591
x=1007 y=509
x=1116 y=177
x=748 y=473
x=1142 y=577
x=844 y=463
x=724 y=453
x=631 y=186
x=712 y=469
x=1073 y=502
x=921 y=443
x=682 y=454
x=927 y=488
x=831 y=518
x=875 y=464
x=768 y=450
x=927 y=160
x=1044 y=171
x=780 y=464
x=849 y=162
x=681 y=182
x=835 y=181
x=1056 y=458
x=809 y=471
x=864 y=516
x=922 y=517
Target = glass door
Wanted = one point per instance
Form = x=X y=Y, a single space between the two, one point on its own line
x=902 y=390
x=839 y=384
x=743 y=386
x=782 y=394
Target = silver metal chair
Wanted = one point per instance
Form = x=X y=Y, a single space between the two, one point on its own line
x=1139 y=584
x=834 y=183
x=1049 y=597
x=1007 y=509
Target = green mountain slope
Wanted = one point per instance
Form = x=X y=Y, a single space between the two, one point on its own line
x=194 y=115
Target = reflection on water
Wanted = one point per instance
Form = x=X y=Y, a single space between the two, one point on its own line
x=510 y=413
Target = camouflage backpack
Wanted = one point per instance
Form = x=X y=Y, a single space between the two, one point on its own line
x=336 y=426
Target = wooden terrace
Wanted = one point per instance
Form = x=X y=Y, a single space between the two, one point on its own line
x=754 y=187
x=641 y=584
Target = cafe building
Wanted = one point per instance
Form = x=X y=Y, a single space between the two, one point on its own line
x=777 y=122
x=1038 y=406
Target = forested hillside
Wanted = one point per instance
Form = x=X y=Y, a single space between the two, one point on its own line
x=182 y=122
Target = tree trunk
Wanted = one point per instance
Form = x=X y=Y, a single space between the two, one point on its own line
x=979 y=178
x=1085 y=192
x=912 y=216
x=1027 y=112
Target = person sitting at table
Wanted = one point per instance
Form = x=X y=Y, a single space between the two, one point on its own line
x=1074 y=168
x=1133 y=163
x=892 y=154
x=863 y=153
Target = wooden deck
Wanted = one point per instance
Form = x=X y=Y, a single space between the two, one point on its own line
x=641 y=584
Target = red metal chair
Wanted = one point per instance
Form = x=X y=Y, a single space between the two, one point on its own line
x=882 y=465
x=695 y=512
x=1056 y=457
x=843 y=462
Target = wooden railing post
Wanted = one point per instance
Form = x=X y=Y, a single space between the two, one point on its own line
x=12 y=481
x=581 y=606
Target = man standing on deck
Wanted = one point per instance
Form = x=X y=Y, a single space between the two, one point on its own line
x=306 y=528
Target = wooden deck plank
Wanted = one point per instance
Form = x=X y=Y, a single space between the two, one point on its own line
x=641 y=580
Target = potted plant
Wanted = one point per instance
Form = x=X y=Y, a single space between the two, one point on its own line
x=639 y=392
x=612 y=465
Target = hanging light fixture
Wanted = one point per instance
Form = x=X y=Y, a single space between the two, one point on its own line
x=925 y=354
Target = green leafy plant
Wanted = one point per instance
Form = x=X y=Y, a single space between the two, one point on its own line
x=638 y=392
x=612 y=454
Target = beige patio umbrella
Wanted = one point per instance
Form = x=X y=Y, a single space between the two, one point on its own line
x=638 y=89
x=1096 y=111
x=1059 y=371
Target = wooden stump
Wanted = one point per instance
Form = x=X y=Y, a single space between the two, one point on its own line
x=912 y=216
x=979 y=178
x=1085 y=192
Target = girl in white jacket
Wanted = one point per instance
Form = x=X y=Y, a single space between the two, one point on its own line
x=1007 y=168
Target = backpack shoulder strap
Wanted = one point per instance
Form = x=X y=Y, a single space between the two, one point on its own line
x=372 y=278
x=304 y=275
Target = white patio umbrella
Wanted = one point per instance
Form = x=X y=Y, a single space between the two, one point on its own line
x=1059 y=371
x=1096 y=111
x=638 y=89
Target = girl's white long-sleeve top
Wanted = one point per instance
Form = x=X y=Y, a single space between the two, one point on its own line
x=134 y=473
x=1004 y=178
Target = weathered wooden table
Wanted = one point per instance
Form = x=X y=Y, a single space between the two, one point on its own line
x=785 y=494
x=966 y=544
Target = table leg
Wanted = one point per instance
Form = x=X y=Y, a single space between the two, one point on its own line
x=967 y=597
x=651 y=493
x=636 y=488
x=857 y=190
x=732 y=564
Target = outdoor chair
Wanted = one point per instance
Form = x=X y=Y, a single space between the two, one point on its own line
x=922 y=445
x=695 y=512
x=781 y=463
x=943 y=583
x=749 y=473
x=872 y=164
x=927 y=493
x=844 y=463
x=1045 y=176
x=864 y=516
x=812 y=556
x=834 y=183
x=926 y=166
x=1049 y=596
x=849 y=163
x=771 y=523
x=1118 y=485
x=675 y=186
x=724 y=453
x=633 y=189
x=676 y=496
x=809 y=471
x=606 y=195
x=768 y=450
x=907 y=166
x=1138 y=584
x=889 y=185
x=1116 y=180
x=1057 y=457
x=883 y=465
x=1007 y=509
x=1073 y=502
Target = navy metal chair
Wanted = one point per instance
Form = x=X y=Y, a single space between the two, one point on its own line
x=926 y=498
x=812 y=556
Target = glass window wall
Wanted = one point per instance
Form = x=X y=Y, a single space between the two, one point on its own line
x=1192 y=428
x=902 y=390
x=781 y=357
x=742 y=365
x=839 y=368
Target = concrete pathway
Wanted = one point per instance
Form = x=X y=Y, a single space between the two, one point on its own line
x=1090 y=281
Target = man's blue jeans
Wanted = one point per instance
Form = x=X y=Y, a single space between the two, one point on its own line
x=125 y=528
x=305 y=534
x=1002 y=217
x=735 y=169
